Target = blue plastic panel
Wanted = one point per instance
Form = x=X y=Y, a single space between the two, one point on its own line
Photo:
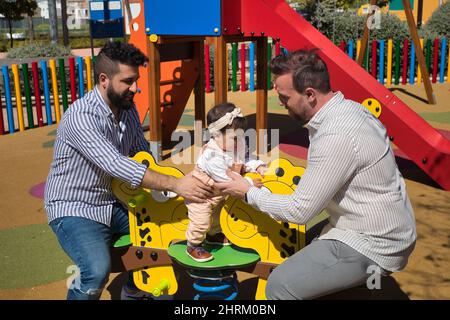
x=106 y=19
x=182 y=17
x=398 y=5
x=104 y=10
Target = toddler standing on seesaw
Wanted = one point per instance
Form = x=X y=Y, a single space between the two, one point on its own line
x=224 y=151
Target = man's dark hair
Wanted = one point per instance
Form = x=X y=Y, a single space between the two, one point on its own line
x=222 y=109
x=116 y=52
x=307 y=68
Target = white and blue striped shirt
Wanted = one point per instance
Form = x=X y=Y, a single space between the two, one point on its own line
x=91 y=149
x=351 y=173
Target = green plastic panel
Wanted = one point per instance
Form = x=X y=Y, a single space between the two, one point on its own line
x=122 y=241
x=225 y=257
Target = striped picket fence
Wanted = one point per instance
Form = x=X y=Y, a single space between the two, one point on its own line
x=242 y=65
x=39 y=96
x=391 y=62
x=394 y=61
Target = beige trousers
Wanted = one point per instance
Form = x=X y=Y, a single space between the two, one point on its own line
x=204 y=218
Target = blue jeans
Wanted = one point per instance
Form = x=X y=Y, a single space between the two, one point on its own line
x=88 y=244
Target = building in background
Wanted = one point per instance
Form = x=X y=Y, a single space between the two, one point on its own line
x=77 y=12
x=420 y=8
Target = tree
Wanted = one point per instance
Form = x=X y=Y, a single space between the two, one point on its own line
x=65 y=30
x=13 y=10
x=439 y=23
x=345 y=4
x=29 y=9
x=52 y=16
x=338 y=3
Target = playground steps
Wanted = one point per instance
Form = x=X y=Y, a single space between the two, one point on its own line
x=175 y=94
x=179 y=70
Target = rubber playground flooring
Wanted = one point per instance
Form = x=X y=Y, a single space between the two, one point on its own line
x=33 y=266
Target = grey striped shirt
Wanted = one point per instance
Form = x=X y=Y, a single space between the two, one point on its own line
x=351 y=173
x=90 y=149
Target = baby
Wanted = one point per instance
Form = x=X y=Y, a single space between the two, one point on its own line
x=224 y=151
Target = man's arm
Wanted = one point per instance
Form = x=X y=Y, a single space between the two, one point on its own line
x=331 y=163
x=84 y=134
x=188 y=187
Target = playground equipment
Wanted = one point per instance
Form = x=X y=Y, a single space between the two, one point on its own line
x=436 y=57
x=176 y=58
x=158 y=221
x=416 y=46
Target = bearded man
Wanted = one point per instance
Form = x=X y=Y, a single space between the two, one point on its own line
x=96 y=137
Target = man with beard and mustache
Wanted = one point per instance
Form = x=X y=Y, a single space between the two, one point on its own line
x=95 y=138
x=351 y=172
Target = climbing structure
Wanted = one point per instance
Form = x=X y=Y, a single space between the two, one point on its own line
x=159 y=219
x=172 y=34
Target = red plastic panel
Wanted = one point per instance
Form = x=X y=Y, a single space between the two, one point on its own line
x=413 y=135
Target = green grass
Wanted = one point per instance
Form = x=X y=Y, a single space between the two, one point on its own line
x=48 y=144
x=186 y=119
x=31 y=256
x=75 y=42
x=272 y=104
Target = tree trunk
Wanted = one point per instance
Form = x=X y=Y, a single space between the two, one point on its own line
x=65 y=30
x=10 y=32
x=53 y=19
x=31 y=28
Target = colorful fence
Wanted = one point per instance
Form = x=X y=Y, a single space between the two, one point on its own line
x=39 y=96
x=41 y=91
x=388 y=61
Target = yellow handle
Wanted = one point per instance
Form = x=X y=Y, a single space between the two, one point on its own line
x=163 y=285
x=137 y=200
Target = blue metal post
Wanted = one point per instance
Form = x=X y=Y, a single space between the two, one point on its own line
x=350 y=49
x=443 y=56
x=9 y=109
x=48 y=107
x=80 y=63
x=412 y=64
x=251 y=59
x=381 y=66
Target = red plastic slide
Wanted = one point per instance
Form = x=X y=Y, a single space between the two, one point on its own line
x=423 y=144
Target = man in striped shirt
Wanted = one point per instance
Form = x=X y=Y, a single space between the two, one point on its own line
x=351 y=172
x=95 y=137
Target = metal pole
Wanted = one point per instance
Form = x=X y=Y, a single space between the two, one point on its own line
x=90 y=37
x=419 y=13
x=420 y=58
x=365 y=38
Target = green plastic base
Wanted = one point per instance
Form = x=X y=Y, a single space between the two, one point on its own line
x=122 y=241
x=225 y=257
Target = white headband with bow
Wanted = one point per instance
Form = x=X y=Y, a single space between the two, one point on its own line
x=224 y=121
